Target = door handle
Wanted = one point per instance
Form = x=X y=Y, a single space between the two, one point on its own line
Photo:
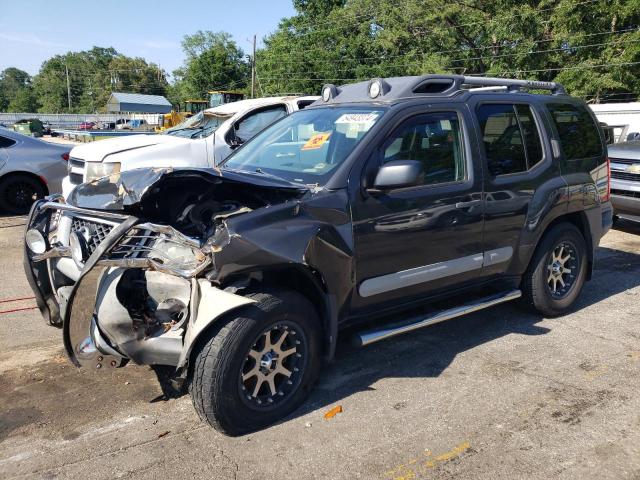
x=469 y=204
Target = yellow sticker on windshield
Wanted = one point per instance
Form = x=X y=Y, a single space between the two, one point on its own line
x=316 y=141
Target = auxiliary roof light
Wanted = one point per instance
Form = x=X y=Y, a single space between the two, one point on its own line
x=375 y=89
x=326 y=94
x=329 y=91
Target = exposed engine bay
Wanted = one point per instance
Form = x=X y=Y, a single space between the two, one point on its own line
x=194 y=202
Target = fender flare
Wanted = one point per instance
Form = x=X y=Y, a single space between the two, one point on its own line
x=209 y=303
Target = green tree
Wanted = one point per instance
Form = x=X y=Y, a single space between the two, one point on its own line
x=93 y=75
x=24 y=101
x=592 y=46
x=16 y=93
x=213 y=61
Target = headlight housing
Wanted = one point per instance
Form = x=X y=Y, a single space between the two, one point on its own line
x=78 y=247
x=35 y=241
x=95 y=170
x=177 y=256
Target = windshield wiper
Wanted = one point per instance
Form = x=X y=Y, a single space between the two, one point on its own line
x=173 y=130
x=266 y=174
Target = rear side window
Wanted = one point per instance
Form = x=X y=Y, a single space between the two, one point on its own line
x=510 y=136
x=6 y=142
x=579 y=136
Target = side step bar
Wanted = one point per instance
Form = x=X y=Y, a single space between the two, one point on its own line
x=367 y=337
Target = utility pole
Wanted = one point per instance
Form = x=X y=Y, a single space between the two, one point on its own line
x=68 y=86
x=253 y=69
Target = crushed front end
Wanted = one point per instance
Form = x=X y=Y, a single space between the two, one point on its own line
x=123 y=287
x=136 y=290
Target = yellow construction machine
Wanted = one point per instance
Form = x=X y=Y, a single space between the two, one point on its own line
x=191 y=107
x=173 y=118
x=220 y=97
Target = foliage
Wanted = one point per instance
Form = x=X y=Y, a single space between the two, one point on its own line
x=93 y=75
x=592 y=46
x=213 y=62
x=16 y=92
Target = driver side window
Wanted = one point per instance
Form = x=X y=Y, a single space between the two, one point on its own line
x=248 y=127
x=435 y=140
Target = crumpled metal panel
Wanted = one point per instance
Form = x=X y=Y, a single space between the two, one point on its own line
x=128 y=188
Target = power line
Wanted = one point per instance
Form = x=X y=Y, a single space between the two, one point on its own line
x=504 y=73
x=352 y=21
x=577 y=67
x=567 y=49
x=439 y=52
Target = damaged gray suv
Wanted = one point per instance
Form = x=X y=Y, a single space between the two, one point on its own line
x=386 y=206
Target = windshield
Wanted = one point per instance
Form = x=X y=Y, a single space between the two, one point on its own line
x=307 y=146
x=200 y=125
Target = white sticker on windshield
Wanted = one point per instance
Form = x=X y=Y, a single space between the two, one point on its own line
x=365 y=118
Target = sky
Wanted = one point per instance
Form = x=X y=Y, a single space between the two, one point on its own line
x=35 y=30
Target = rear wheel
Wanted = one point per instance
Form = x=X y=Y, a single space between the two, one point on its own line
x=18 y=192
x=557 y=271
x=260 y=366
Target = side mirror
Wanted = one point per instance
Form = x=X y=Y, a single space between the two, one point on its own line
x=235 y=141
x=397 y=174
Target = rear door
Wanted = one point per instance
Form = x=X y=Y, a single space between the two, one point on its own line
x=518 y=164
x=582 y=149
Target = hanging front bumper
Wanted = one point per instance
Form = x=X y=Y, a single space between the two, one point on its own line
x=125 y=258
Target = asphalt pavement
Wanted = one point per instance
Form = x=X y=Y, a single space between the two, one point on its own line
x=502 y=393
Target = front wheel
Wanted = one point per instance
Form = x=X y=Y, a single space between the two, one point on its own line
x=557 y=271
x=260 y=366
x=18 y=192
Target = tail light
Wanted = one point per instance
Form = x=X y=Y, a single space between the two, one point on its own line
x=607 y=195
x=65 y=156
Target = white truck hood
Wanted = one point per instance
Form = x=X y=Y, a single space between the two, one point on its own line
x=97 y=151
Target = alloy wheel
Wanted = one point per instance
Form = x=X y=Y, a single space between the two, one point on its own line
x=21 y=194
x=562 y=267
x=274 y=366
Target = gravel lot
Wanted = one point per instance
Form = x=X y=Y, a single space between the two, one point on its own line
x=498 y=394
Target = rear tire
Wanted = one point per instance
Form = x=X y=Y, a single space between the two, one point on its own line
x=260 y=366
x=557 y=271
x=18 y=192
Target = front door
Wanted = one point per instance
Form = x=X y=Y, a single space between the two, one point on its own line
x=415 y=241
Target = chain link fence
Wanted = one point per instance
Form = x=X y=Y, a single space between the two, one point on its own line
x=69 y=121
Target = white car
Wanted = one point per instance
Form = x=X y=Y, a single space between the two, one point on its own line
x=203 y=140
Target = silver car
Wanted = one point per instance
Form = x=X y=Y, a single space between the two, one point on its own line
x=29 y=169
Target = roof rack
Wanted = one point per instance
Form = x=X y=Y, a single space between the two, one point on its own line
x=449 y=84
x=435 y=85
x=512 y=84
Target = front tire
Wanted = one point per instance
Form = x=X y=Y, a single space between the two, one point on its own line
x=557 y=272
x=18 y=192
x=260 y=366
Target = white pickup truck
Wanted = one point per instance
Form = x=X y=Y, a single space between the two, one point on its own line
x=203 y=140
